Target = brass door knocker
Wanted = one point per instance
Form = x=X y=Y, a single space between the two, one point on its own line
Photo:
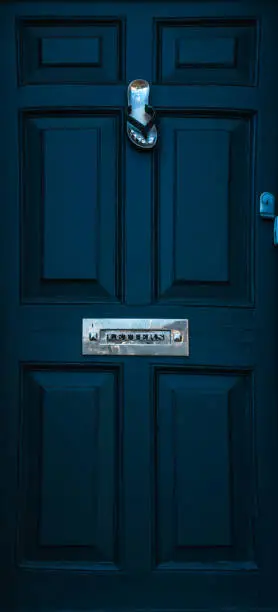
x=140 y=116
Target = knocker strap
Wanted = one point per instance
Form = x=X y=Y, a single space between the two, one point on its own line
x=143 y=129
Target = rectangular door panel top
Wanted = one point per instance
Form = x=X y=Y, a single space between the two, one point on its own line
x=69 y=51
x=206 y=51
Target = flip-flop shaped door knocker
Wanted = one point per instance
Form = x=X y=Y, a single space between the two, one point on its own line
x=141 y=117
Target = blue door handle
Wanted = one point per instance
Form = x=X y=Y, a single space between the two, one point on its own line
x=268 y=211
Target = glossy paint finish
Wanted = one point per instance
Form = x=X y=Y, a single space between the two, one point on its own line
x=138 y=483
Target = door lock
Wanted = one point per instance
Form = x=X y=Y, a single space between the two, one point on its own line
x=268 y=211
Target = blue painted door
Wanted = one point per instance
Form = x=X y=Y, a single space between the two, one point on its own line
x=138 y=483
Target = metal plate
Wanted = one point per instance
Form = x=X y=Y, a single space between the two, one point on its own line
x=135 y=337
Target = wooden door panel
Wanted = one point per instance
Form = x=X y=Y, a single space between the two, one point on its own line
x=69 y=468
x=206 y=50
x=204 y=209
x=206 y=497
x=69 y=190
x=70 y=50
